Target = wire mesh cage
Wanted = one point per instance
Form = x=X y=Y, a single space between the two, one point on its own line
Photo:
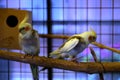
x=67 y=17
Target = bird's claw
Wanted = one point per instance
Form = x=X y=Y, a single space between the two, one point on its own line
x=24 y=55
x=28 y=55
x=32 y=56
x=74 y=60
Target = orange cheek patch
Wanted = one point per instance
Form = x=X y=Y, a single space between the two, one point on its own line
x=27 y=28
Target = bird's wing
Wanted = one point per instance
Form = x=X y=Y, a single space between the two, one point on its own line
x=69 y=44
x=36 y=36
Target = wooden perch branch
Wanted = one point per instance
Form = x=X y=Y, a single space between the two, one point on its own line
x=88 y=67
x=106 y=47
x=53 y=36
x=66 y=37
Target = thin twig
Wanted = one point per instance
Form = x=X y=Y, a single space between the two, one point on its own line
x=96 y=60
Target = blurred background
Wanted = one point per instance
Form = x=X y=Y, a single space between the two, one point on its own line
x=68 y=17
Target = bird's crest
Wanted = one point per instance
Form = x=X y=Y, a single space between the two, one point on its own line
x=92 y=31
x=24 y=22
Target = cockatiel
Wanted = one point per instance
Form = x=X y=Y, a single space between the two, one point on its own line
x=74 y=45
x=29 y=43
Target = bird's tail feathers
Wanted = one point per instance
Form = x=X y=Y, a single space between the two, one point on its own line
x=35 y=72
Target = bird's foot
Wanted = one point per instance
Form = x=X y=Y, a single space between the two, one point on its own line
x=32 y=56
x=24 y=55
x=74 y=60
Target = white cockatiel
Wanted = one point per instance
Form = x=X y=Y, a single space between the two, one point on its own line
x=74 y=45
x=29 y=43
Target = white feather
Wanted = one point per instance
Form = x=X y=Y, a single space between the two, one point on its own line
x=70 y=44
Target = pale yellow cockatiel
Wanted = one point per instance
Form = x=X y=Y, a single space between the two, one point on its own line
x=29 y=43
x=74 y=45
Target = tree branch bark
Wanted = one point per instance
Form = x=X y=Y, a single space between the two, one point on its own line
x=53 y=36
x=88 y=67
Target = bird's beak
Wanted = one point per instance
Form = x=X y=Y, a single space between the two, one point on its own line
x=21 y=29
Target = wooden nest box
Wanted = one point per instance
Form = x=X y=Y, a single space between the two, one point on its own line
x=9 y=21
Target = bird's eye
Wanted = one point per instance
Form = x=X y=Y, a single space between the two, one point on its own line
x=92 y=38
